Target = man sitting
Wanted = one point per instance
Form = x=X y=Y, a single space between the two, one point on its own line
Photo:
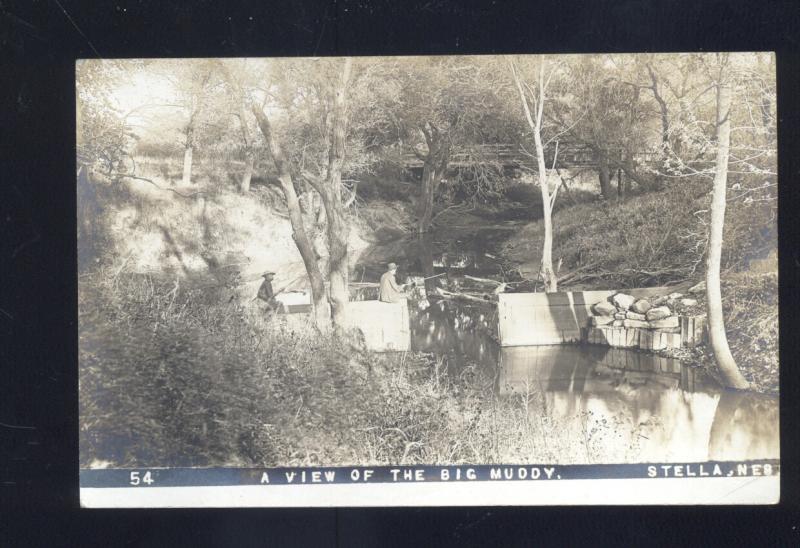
x=390 y=291
x=267 y=294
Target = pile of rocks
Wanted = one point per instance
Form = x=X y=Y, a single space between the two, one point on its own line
x=627 y=311
x=649 y=324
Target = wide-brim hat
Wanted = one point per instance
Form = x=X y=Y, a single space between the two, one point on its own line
x=268 y=273
x=392 y=266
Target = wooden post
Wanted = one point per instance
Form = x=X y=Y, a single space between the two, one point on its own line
x=692 y=330
x=646 y=340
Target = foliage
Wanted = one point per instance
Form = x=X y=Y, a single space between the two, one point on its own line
x=750 y=302
x=104 y=135
x=649 y=239
x=166 y=380
x=457 y=95
x=529 y=196
x=593 y=106
x=454 y=104
x=302 y=100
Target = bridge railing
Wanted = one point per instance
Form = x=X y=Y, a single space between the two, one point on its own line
x=511 y=155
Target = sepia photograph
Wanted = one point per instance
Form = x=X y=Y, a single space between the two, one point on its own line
x=428 y=280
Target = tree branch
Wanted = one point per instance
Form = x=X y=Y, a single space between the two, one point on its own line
x=136 y=177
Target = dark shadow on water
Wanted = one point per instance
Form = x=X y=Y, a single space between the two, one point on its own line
x=459 y=333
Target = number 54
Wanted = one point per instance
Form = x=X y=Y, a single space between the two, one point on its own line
x=136 y=479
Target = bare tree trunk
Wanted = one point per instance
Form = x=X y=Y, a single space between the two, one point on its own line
x=318 y=210
x=433 y=170
x=604 y=173
x=338 y=266
x=662 y=105
x=621 y=185
x=716 y=324
x=338 y=227
x=187 y=165
x=548 y=274
x=188 y=150
x=427 y=195
x=425 y=252
x=331 y=193
x=244 y=186
x=301 y=239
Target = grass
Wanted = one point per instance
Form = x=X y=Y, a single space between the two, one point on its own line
x=169 y=380
x=650 y=239
x=750 y=305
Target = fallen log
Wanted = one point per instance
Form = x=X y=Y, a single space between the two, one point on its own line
x=501 y=286
x=451 y=295
x=573 y=273
x=482 y=280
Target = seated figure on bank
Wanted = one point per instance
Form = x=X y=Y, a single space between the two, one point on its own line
x=267 y=294
x=390 y=290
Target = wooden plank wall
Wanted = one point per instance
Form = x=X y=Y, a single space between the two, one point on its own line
x=552 y=318
x=385 y=326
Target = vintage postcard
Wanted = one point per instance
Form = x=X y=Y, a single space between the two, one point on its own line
x=423 y=281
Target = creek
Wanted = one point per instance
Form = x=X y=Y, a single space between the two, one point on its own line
x=675 y=411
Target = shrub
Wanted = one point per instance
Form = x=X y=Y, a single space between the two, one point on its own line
x=165 y=382
x=750 y=303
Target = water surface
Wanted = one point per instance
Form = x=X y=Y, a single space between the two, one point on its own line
x=671 y=411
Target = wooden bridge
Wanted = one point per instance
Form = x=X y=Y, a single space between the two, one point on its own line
x=511 y=156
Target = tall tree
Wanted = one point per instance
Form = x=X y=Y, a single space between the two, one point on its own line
x=336 y=115
x=193 y=82
x=330 y=190
x=299 y=234
x=447 y=105
x=663 y=86
x=235 y=74
x=533 y=97
x=597 y=111
x=722 y=134
x=246 y=84
x=320 y=136
x=247 y=141
x=434 y=166
x=716 y=322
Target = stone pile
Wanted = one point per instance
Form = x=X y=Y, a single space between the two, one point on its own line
x=649 y=324
x=626 y=311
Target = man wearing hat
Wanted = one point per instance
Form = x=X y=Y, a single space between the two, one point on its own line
x=390 y=291
x=266 y=293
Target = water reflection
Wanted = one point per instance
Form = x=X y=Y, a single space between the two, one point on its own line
x=629 y=406
x=461 y=332
x=674 y=413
